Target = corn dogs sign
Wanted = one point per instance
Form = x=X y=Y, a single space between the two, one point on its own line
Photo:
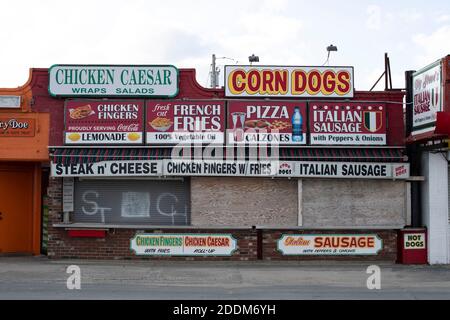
x=330 y=244
x=271 y=81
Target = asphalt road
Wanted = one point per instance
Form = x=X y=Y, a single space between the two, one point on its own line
x=40 y=278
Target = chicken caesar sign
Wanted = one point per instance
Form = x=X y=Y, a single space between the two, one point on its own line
x=114 y=80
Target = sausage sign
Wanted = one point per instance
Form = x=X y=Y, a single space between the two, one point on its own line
x=271 y=81
x=330 y=244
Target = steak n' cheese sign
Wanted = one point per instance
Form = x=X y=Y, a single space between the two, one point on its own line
x=347 y=123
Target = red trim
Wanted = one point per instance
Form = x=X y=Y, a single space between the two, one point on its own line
x=87 y=233
x=423 y=137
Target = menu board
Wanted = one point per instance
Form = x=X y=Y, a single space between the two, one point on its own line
x=173 y=122
x=266 y=122
x=104 y=122
x=336 y=123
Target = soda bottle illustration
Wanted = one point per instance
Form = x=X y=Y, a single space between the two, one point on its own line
x=297 y=126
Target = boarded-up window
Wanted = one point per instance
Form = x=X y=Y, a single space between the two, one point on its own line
x=156 y=202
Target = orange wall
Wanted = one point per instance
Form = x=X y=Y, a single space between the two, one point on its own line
x=25 y=148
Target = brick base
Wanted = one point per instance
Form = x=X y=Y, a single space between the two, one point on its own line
x=252 y=244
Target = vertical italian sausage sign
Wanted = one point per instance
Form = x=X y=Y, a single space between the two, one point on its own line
x=104 y=122
x=427 y=91
x=347 y=123
x=173 y=122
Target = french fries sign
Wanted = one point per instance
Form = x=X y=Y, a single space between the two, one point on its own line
x=271 y=81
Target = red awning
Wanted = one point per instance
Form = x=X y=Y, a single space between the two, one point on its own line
x=89 y=155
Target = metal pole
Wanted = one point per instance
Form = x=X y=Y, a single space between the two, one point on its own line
x=213 y=72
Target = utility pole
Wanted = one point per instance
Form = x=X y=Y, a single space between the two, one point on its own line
x=213 y=72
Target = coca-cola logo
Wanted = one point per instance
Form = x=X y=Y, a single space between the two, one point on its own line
x=13 y=124
x=128 y=127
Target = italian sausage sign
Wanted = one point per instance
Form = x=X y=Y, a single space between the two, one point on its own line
x=330 y=244
x=347 y=123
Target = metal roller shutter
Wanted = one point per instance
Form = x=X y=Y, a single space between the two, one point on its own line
x=155 y=202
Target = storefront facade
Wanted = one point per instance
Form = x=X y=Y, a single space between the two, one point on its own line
x=23 y=152
x=147 y=164
x=429 y=130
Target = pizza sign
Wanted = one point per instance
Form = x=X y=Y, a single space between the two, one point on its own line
x=347 y=124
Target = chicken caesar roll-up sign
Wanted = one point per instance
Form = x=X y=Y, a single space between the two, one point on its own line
x=114 y=80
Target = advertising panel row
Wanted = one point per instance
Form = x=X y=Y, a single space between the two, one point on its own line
x=144 y=168
x=170 y=122
x=198 y=244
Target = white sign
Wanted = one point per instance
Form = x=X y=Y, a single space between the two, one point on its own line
x=287 y=81
x=330 y=244
x=68 y=189
x=166 y=244
x=414 y=241
x=114 y=80
x=10 y=102
x=354 y=170
x=427 y=92
x=127 y=168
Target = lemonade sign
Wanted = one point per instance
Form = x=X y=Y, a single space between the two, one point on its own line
x=104 y=122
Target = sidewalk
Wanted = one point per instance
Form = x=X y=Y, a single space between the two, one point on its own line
x=40 y=278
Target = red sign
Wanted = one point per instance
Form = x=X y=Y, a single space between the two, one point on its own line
x=335 y=123
x=277 y=122
x=172 y=122
x=16 y=127
x=104 y=122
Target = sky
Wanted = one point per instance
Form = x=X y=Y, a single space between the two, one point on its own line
x=38 y=34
